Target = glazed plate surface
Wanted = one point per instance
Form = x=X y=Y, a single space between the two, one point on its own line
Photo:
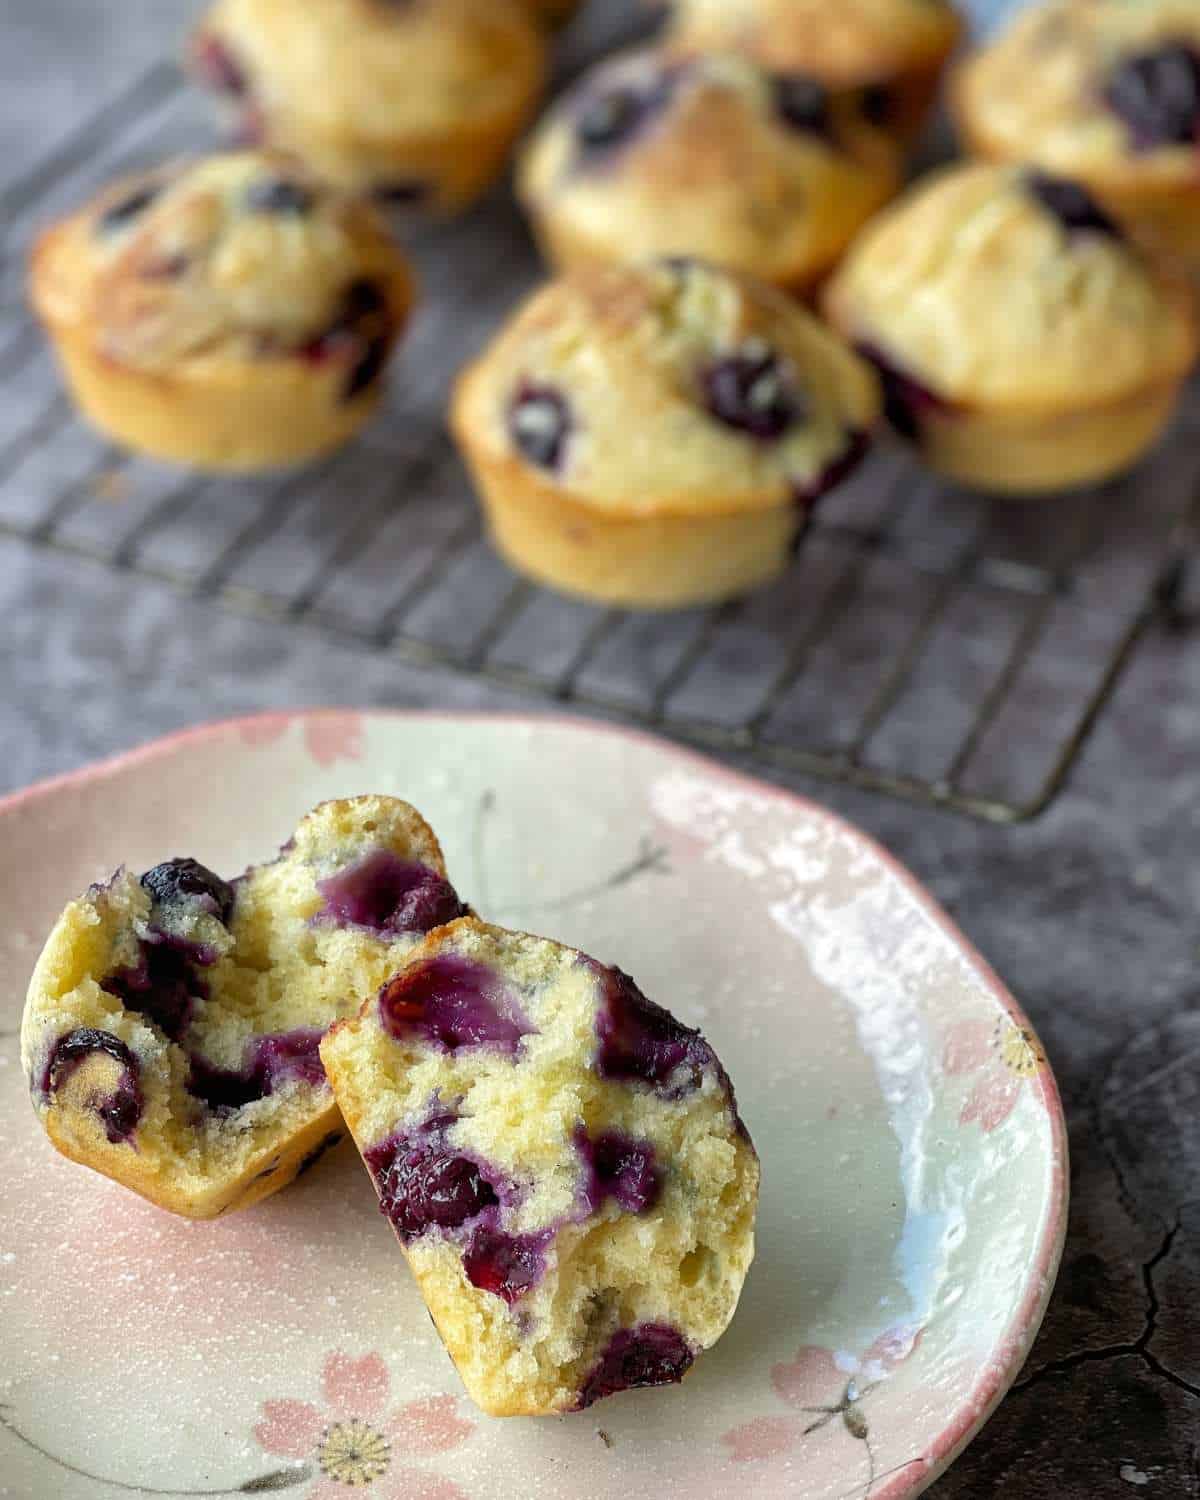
x=912 y=1143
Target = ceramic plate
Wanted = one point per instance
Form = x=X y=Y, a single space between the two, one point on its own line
x=910 y=1131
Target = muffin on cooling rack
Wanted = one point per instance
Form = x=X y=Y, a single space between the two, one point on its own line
x=231 y=313
x=710 y=156
x=892 y=50
x=1104 y=91
x=1025 y=345
x=654 y=435
x=418 y=102
x=563 y=1163
x=170 y=1035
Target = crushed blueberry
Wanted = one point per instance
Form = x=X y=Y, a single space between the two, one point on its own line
x=539 y=423
x=619 y=1167
x=163 y=986
x=857 y=446
x=1070 y=203
x=612 y=116
x=361 y=334
x=751 y=392
x=802 y=102
x=389 y=895
x=122 y=1109
x=453 y=1002
x=907 y=401
x=129 y=207
x=270 y=1061
x=642 y=1042
x=187 y=882
x=218 y=68
x=424 y=1183
x=651 y=1354
x=1157 y=95
x=508 y=1265
x=280 y=195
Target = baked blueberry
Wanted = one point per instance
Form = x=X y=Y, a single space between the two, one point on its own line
x=539 y=422
x=1157 y=95
x=752 y=392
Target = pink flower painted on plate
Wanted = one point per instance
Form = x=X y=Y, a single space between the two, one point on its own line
x=354 y=1441
x=328 y=738
x=1003 y=1054
x=821 y=1386
x=334 y=738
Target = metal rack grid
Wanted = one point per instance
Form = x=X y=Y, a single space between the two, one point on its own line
x=927 y=643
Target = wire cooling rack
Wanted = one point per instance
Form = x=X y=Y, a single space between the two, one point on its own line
x=926 y=643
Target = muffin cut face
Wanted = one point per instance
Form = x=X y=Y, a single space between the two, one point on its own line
x=561 y=1160
x=710 y=156
x=231 y=311
x=172 y=1024
x=1022 y=340
x=418 y=101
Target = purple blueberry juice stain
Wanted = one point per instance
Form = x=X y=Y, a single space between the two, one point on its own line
x=360 y=335
x=425 y=1183
x=1156 y=94
x=751 y=392
x=650 y=1354
x=218 y=69
x=907 y=401
x=122 y=1109
x=452 y=1002
x=388 y=895
x=507 y=1265
x=640 y=1042
x=269 y=1062
x=539 y=424
x=1070 y=203
x=617 y=1166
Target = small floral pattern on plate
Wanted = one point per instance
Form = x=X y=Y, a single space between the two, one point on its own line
x=912 y=1141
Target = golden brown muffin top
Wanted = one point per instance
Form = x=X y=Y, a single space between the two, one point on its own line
x=1005 y=287
x=242 y=255
x=374 y=69
x=667 y=387
x=846 y=42
x=1106 y=89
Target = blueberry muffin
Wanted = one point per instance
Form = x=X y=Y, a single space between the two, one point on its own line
x=709 y=156
x=894 y=51
x=1024 y=343
x=562 y=1161
x=171 y=1030
x=1106 y=92
x=231 y=313
x=417 y=101
x=655 y=435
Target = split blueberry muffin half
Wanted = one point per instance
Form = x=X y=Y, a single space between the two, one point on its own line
x=171 y=1031
x=891 y=51
x=655 y=435
x=416 y=101
x=1103 y=91
x=712 y=156
x=230 y=313
x=562 y=1161
x=1025 y=344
